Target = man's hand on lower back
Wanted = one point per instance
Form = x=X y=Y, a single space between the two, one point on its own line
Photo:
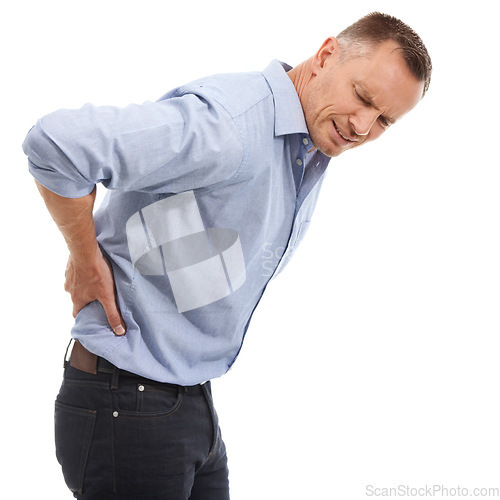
x=92 y=279
x=89 y=275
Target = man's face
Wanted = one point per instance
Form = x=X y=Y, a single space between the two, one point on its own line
x=350 y=102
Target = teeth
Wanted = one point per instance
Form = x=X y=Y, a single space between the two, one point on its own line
x=340 y=133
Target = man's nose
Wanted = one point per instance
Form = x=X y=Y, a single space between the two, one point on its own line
x=363 y=121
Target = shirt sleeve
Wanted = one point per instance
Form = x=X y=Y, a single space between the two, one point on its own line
x=172 y=145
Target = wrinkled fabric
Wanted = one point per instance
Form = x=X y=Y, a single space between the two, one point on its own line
x=210 y=191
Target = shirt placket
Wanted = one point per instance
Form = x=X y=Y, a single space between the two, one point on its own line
x=298 y=163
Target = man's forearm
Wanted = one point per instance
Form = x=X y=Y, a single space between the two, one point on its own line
x=75 y=220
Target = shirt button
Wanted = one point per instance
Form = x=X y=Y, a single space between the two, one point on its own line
x=115 y=414
x=299 y=162
x=305 y=141
x=140 y=388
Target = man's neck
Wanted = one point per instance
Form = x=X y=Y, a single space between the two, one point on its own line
x=301 y=75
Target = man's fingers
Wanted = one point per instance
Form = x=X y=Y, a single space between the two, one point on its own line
x=119 y=330
x=93 y=280
x=114 y=318
x=77 y=307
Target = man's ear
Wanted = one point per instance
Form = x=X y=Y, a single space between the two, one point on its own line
x=329 y=48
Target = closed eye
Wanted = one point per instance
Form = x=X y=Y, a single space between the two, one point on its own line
x=385 y=122
x=362 y=99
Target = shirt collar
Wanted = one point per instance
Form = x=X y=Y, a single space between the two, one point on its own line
x=288 y=114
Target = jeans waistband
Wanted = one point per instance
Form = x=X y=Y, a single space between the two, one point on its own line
x=84 y=360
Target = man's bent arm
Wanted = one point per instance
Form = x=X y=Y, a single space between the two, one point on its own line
x=88 y=275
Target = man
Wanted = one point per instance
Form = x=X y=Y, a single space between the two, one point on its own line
x=202 y=184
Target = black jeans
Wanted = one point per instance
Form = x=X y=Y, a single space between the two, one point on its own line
x=120 y=436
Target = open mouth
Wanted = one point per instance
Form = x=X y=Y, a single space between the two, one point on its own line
x=342 y=136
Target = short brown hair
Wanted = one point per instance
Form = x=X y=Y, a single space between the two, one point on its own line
x=376 y=27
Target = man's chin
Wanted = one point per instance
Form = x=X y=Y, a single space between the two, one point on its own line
x=332 y=150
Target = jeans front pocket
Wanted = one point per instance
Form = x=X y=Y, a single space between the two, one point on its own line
x=150 y=448
x=157 y=398
x=74 y=428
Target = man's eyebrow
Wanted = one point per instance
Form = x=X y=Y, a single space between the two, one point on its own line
x=368 y=97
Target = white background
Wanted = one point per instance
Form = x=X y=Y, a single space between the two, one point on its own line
x=374 y=358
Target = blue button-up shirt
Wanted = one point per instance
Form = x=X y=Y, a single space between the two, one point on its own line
x=211 y=188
